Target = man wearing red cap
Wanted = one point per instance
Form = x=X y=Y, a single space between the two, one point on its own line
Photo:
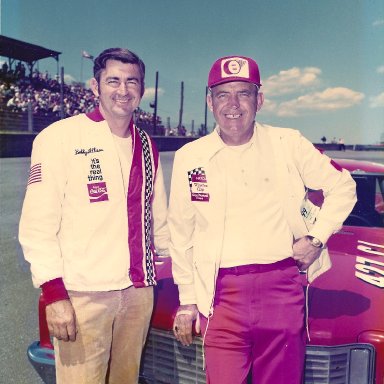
x=242 y=229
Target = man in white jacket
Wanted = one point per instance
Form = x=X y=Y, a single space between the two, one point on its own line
x=94 y=206
x=242 y=229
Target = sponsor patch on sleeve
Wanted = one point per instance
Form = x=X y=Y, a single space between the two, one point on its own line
x=198 y=185
x=309 y=211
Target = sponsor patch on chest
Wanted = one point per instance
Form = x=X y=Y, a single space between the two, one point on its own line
x=97 y=191
x=198 y=185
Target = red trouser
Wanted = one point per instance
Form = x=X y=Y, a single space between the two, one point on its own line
x=257 y=326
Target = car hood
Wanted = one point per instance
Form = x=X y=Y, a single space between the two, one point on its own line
x=347 y=300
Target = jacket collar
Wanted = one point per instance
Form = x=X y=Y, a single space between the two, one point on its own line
x=214 y=144
x=97 y=117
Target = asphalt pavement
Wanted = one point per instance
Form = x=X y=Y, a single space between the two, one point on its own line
x=18 y=298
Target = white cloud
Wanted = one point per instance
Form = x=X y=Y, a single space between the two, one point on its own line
x=269 y=106
x=378 y=23
x=377 y=101
x=291 y=80
x=380 y=70
x=149 y=93
x=330 y=99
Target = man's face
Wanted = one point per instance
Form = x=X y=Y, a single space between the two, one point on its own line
x=119 y=90
x=234 y=106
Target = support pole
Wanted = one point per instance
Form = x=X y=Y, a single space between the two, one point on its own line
x=181 y=107
x=155 y=112
x=206 y=112
x=62 y=115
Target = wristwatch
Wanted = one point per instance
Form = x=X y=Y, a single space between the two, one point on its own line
x=315 y=242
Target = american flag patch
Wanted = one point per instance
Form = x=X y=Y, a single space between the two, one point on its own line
x=35 y=174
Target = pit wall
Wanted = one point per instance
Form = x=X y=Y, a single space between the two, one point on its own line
x=20 y=144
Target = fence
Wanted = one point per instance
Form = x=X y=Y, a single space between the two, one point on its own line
x=29 y=122
x=24 y=121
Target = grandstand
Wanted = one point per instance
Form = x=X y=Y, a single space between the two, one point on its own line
x=31 y=100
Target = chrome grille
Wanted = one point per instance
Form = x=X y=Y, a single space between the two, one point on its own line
x=343 y=364
x=166 y=361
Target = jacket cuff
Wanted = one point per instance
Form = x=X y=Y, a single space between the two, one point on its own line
x=186 y=294
x=54 y=290
x=323 y=234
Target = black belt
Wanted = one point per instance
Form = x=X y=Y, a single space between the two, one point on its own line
x=257 y=268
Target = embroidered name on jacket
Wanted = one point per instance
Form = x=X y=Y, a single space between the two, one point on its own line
x=86 y=152
x=198 y=185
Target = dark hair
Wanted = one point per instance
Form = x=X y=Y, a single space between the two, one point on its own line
x=119 y=54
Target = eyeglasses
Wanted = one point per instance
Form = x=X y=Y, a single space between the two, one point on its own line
x=116 y=83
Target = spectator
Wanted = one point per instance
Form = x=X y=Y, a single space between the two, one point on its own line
x=341 y=144
x=43 y=92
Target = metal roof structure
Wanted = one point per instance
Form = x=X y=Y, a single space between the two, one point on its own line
x=26 y=52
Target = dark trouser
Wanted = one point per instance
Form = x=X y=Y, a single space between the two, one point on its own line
x=257 y=326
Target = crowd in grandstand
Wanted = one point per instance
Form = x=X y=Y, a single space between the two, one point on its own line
x=40 y=92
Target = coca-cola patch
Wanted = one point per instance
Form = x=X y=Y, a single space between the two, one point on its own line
x=97 y=192
x=198 y=185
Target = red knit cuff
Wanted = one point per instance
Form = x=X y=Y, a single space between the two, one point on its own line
x=54 y=290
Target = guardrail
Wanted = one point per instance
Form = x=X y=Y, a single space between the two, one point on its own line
x=351 y=147
x=19 y=144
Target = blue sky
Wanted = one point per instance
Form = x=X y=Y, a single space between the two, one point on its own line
x=321 y=62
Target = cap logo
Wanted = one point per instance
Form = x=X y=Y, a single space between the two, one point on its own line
x=235 y=66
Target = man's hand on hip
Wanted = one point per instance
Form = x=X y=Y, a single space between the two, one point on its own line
x=61 y=320
x=305 y=253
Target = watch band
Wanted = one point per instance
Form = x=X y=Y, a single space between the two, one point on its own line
x=315 y=242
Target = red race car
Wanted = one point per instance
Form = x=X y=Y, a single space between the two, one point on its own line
x=345 y=305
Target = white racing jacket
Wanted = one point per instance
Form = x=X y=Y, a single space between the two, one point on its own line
x=197 y=204
x=74 y=223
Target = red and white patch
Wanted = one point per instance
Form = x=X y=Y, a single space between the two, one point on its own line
x=198 y=185
x=97 y=192
x=235 y=66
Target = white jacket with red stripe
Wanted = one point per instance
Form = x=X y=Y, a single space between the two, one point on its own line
x=74 y=222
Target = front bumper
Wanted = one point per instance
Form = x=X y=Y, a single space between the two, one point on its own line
x=166 y=361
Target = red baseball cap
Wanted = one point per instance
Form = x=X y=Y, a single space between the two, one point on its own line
x=234 y=68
